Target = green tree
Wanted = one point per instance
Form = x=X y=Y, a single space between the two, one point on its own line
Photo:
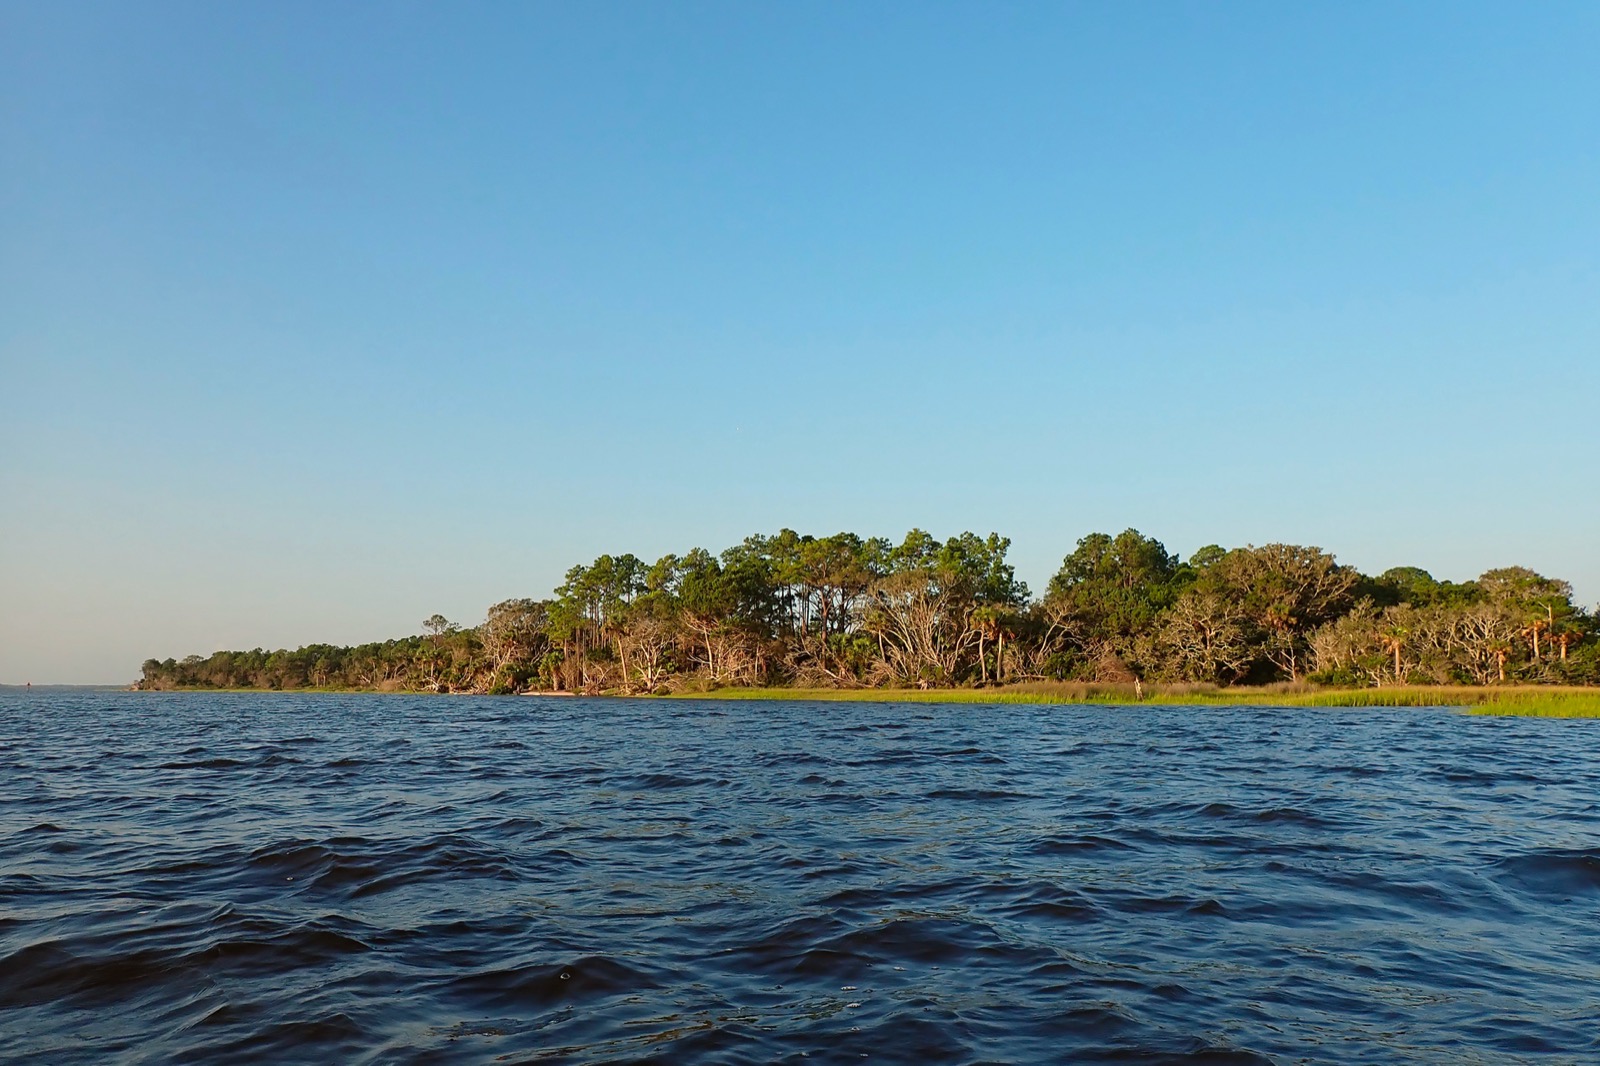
x=1111 y=590
x=1285 y=591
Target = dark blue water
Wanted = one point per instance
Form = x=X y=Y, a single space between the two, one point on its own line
x=386 y=879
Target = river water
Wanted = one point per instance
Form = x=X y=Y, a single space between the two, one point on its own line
x=389 y=879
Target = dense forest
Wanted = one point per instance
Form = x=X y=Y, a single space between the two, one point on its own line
x=848 y=612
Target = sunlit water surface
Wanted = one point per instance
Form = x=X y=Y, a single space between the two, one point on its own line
x=389 y=879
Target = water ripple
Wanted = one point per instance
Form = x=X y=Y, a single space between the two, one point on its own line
x=314 y=878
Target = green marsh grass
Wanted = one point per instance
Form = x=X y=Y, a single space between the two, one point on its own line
x=1544 y=701
x=1535 y=703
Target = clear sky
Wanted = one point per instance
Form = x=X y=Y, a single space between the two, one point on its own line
x=316 y=318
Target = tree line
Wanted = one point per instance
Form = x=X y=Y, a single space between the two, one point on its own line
x=848 y=612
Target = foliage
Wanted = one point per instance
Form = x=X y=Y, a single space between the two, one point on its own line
x=844 y=612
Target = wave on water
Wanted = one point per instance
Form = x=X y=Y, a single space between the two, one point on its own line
x=314 y=878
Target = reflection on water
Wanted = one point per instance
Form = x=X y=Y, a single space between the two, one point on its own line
x=318 y=878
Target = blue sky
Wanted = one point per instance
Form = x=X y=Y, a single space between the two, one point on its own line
x=315 y=320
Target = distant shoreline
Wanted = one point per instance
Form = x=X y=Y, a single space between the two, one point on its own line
x=1530 y=700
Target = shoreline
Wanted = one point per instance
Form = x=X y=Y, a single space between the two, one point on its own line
x=1523 y=700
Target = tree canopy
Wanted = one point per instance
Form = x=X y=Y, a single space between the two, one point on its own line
x=849 y=611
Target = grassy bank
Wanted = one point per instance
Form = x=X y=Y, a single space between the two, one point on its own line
x=1530 y=700
x=1563 y=703
x=1542 y=701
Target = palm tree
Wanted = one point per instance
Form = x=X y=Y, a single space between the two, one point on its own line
x=1393 y=638
x=1279 y=619
x=1000 y=649
x=1532 y=630
x=986 y=623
